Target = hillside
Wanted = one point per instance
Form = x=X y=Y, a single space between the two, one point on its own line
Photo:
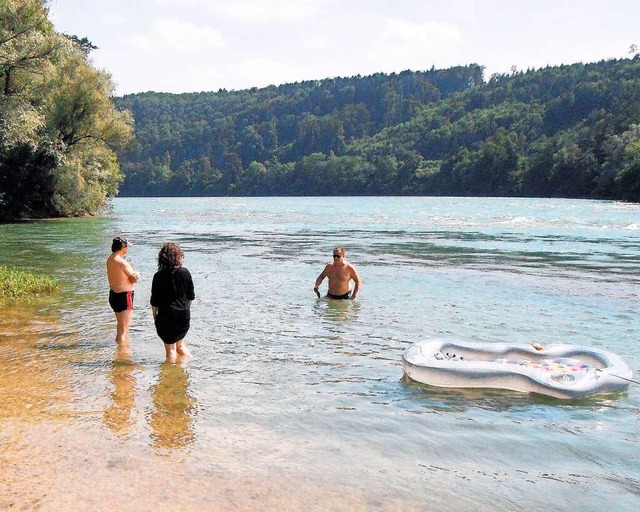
x=566 y=131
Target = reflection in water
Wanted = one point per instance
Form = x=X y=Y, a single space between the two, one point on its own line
x=118 y=415
x=173 y=408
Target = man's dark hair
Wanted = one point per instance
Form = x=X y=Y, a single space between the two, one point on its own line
x=118 y=243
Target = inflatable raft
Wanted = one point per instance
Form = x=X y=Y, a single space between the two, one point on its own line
x=561 y=371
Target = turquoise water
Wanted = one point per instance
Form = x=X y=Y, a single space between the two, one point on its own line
x=310 y=392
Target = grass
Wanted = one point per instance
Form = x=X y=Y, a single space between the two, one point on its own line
x=18 y=285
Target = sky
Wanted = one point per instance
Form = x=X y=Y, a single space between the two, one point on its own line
x=205 y=45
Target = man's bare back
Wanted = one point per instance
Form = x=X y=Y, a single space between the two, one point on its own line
x=340 y=273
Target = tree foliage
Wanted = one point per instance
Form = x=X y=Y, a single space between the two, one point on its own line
x=59 y=129
x=565 y=131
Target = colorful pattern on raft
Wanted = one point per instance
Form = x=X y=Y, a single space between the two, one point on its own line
x=560 y=365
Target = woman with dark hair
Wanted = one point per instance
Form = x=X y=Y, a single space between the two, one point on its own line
x=171 y=296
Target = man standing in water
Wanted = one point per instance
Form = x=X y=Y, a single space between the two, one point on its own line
x=121 y=277
x=340 y=273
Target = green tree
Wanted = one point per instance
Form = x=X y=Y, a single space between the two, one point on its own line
x=28 y=45
x=83 y=119
x=59 y=129
x=621 y=171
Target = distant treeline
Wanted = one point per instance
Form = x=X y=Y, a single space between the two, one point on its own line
x=566 y=131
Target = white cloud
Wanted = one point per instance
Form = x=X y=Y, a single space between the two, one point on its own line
x=193 y=4
x=424 y=38
x=273 y=10
x=316 y=43
x=177 y=35
x=253 y=10
x=406 y=45
x=114 y=20
x=263 y=72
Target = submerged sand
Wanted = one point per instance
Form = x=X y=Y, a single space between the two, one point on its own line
x=58 y=454
x=50 y=465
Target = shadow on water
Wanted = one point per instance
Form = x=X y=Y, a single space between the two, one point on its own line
x=173 y=412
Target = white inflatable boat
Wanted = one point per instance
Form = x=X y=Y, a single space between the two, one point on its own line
x=561 y=371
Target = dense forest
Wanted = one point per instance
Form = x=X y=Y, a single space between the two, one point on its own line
x=67 y=145
x=59 y=128
x=565 y=131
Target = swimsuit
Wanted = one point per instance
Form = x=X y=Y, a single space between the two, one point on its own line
x=171 y=292
x=120 y=301
x=339 y=297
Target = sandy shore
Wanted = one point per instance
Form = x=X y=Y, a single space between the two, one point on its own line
x=50 y=465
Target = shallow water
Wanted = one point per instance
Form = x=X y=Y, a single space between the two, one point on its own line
x=295 y=403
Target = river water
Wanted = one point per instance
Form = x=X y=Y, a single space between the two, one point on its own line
x=296 y=403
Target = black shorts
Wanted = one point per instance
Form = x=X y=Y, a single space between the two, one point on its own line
x=120 y=301
x=340 y=297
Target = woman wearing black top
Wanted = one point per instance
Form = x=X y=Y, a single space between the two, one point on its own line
x=171 y=296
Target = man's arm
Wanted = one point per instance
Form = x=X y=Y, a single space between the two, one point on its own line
x=319 y=280
x=356 y=278
x=128 y=270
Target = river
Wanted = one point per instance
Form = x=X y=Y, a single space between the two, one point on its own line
x=294 y=403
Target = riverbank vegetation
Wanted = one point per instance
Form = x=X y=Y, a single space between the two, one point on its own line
x=18 y=285
x=565 y=131
x=59 y=128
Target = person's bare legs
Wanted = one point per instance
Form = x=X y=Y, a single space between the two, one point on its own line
x=182 y=350
x=173 y=350
x=123 y=318
x=170 y=349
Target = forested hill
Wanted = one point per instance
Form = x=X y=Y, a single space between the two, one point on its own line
x=566 y=131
